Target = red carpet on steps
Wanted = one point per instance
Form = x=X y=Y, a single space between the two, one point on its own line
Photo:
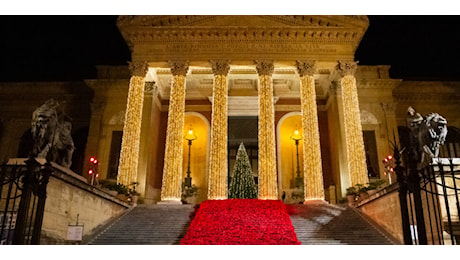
x=241 y=222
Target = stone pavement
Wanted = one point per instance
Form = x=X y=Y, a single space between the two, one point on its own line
x=148 y=225
x=319 y=223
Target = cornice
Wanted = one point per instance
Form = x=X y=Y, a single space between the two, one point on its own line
x=323 y=35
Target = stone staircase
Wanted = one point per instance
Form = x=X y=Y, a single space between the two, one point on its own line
x=319 y=223
x=148 y=225
x=315 y=223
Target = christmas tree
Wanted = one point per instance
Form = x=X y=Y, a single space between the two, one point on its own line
x=242 y=185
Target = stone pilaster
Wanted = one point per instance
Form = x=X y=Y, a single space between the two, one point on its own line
x=313 y=174
x=172 y=171
x=267 y=158
x=129 y=155
x=217 y=185
x=353 y=130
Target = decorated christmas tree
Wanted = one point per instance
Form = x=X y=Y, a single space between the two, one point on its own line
x=242 y=185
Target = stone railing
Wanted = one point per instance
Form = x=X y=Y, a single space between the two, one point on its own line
x=71 y=201
x=384 y=209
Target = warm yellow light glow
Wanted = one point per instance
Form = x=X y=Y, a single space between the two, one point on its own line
x=313 y=174
x=217 y=187
x=190 y=135
x=129 y=154
x=296 y=132
x=267 y=159
x=353 y=132
x=172 y=171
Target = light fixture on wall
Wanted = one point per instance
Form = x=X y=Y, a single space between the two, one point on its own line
x=189 y=137
x=299 y=179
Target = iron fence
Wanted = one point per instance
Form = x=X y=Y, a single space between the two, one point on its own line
x=22 y=201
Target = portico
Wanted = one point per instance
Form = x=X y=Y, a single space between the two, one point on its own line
x=198 y=63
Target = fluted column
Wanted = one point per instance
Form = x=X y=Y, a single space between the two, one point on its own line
x=172 y=171
x=313 y=174
x=217 y=185
x=353 y=130
x=129 y=154
x=267 y=159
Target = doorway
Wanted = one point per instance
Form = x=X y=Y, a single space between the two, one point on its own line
x=243 y=129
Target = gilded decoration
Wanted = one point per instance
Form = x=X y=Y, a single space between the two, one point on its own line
x=313 y=174
x=129 y=154
x=172 y=171
x=353 y=130
x=267 y=158
x=217 y=188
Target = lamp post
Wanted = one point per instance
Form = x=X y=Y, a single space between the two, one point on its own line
x=299 y=179
x=189 y=137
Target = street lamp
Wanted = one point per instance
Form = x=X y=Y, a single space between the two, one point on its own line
x=189 y=137
x=299 y=179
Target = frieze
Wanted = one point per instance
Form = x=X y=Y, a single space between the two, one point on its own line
x=248 y=46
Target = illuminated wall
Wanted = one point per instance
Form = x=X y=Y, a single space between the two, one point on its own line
x=287 y=150
x=199 y=153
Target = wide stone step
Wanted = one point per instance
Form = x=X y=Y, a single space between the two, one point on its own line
x=148 y=225
x=318 y=223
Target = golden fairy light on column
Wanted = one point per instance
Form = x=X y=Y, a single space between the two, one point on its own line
x=353 y=130
x=267 y=158
x=313 y=174
x=129 y=154
x=172 y=171
x=217 y=187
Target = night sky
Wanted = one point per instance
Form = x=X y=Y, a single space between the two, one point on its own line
x=55 y=48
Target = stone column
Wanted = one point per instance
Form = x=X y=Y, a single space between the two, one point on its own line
x=353 y=130
x=313 y=174
x=267 y=158
x=217 y=185
x=129 y=154
x=172 y=171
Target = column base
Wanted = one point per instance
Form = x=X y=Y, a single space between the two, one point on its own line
x=314 y=201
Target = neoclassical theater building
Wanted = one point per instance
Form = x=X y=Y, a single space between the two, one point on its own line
x=198 y=86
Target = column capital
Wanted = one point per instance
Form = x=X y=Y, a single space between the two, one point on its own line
x=150 y=88
x=220 y=67
x=334 y=88
x=138 y=68
x=264 y=67
x=346 y=68
x=306 y=68
x=179 y=68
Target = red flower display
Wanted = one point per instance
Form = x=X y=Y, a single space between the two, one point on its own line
x=241 y=222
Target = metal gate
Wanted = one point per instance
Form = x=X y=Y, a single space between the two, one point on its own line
x=429 y=199
x=22 y=201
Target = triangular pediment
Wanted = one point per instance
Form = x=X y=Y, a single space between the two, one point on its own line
x=244 y=21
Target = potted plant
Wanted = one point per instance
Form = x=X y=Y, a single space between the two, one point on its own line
x=351 y=193
x=134 y=195
x=362 y=191
x=373 y=186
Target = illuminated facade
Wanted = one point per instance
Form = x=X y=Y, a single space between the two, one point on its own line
x=251 y=79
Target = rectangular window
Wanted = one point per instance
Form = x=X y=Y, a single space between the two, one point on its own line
x=370 y=147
